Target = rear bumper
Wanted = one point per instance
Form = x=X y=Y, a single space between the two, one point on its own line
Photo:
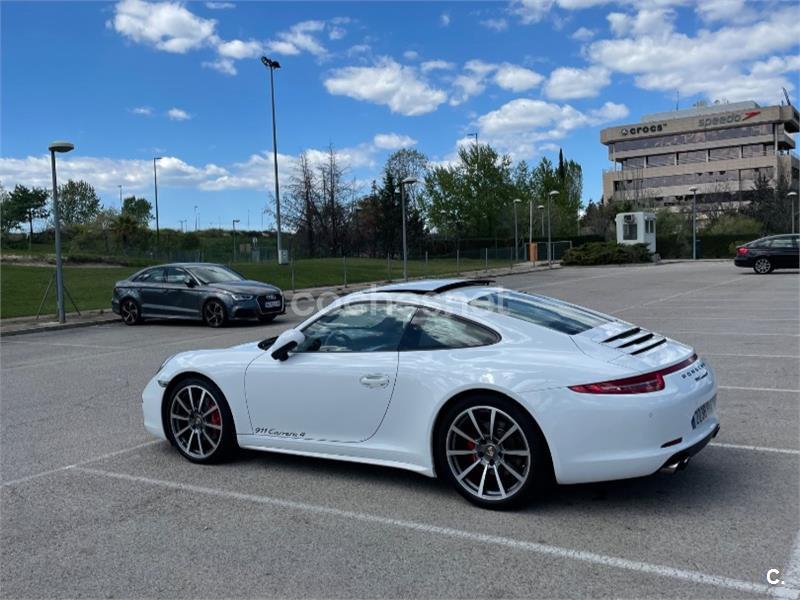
x=606 y=437
x=743 y=262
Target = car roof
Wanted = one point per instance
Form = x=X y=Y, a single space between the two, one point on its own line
x=431 y=286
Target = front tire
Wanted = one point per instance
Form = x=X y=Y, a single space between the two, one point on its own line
x=130 y=311
x=492 y=452
x=214 y=313
x=762 y=266
x=199 y=423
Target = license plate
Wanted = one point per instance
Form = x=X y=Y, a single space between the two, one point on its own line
x=272 y=304
x=702 y=413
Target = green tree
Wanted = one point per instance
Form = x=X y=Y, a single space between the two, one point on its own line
x=734 y=224
x=10 y=216
x=78 y=202
x=126 y=229
x=770 y=204
x=472 y=197
x=30 y=204
x=138 y=209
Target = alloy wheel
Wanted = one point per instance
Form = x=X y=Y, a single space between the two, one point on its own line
x=214 y=313
x=762 y=266
x=488 y=453
x=195 y=421
x=129 y=312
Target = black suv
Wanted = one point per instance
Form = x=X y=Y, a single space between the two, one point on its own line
x=769 y=253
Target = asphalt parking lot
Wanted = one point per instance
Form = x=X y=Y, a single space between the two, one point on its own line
x=92 y=507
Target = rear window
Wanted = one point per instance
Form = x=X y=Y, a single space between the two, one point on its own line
x=546 y=312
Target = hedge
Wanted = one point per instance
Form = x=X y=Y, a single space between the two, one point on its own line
x=606 y=253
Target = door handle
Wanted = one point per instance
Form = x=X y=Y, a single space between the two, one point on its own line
x=375 y=380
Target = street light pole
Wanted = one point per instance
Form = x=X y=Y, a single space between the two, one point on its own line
x=530 y=222
x=272 y=65
x=516 y=230
x=792 y=195
x=403 y=184
x=541 y=216
x=58 y=147
x=196 y=217
x=120 y=196
x=155 y=186
x=550 y=198
x=694 y=222
x=235 y=221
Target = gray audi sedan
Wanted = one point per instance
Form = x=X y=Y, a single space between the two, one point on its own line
x=214 y=293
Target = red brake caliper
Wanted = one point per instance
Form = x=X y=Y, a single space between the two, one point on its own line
x=471 y=446
x=214 y=418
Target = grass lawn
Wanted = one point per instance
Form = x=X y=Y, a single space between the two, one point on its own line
x=22 y=287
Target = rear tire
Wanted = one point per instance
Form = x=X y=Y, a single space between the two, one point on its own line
x=198 y=422
x=214 y=313
x=762 y=266
x=492 y=452
x=130 y=311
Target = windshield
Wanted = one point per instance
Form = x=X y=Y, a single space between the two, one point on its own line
x=543 y=311
x=215 y=274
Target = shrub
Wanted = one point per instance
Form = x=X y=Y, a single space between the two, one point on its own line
x=606 y=253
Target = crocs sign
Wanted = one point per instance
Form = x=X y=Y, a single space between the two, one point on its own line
x=643 y=129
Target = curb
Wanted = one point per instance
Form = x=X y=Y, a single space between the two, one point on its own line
x=105 y=317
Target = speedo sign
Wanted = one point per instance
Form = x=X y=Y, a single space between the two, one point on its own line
x=727 y=119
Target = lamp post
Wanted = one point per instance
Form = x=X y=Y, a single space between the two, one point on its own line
x=693 y=189
x=530 y=222
x=792 y=195
x=155 y=186
x=403 y=184
x=550 y=198
x=516 y=230
x=541 y=216
x=58 y=147
x=196 y=217
x=182 y=222
x=272 y=65
x=120 y=196
x=235 y=221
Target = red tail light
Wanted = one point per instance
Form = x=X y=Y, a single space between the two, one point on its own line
x=741 y=250
x=639 y=384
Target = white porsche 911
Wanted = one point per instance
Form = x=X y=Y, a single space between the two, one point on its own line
x=498 y=391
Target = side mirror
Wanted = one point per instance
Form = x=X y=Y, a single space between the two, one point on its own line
x=286 y=342
x=190 y=282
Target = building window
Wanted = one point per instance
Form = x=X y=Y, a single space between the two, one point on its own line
x=661 y=160
x=696 y=156
x=629 y=231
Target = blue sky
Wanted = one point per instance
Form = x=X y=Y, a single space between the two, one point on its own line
x=130 y=80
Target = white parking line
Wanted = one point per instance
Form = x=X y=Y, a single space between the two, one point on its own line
x=755 y=448
x=77 y=464
x=723 y=355
x=678 y=295
x=758 y=389
x=695 y=577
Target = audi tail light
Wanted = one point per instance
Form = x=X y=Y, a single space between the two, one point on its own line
x=741 y=251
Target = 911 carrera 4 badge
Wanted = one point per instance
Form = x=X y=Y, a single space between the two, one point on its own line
x=272 y=432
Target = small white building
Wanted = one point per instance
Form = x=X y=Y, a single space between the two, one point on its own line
x=637 y=228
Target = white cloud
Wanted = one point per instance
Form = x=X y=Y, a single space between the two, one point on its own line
x=583 y=34
x=167 y=26
x=238 y=49
x=178 y=114
x=516 y=78
x=568 y=83
x=145 y=111
x=336 y=33
x=495 y=24
x=737 y=11
x=517 y=126
x=411 y=55
x=718 y=64
x=531 y=11
x=223 y=65
x=444 y=19
x=392 y=141
x=387 y=82
x=299 y=38
x=220 y=5
x=436 y=65
x=471 y=81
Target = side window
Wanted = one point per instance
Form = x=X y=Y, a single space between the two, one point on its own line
x=360 y=327
x=175 y=276
x=782 y=243
x=152 y=276
x=433 y=330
